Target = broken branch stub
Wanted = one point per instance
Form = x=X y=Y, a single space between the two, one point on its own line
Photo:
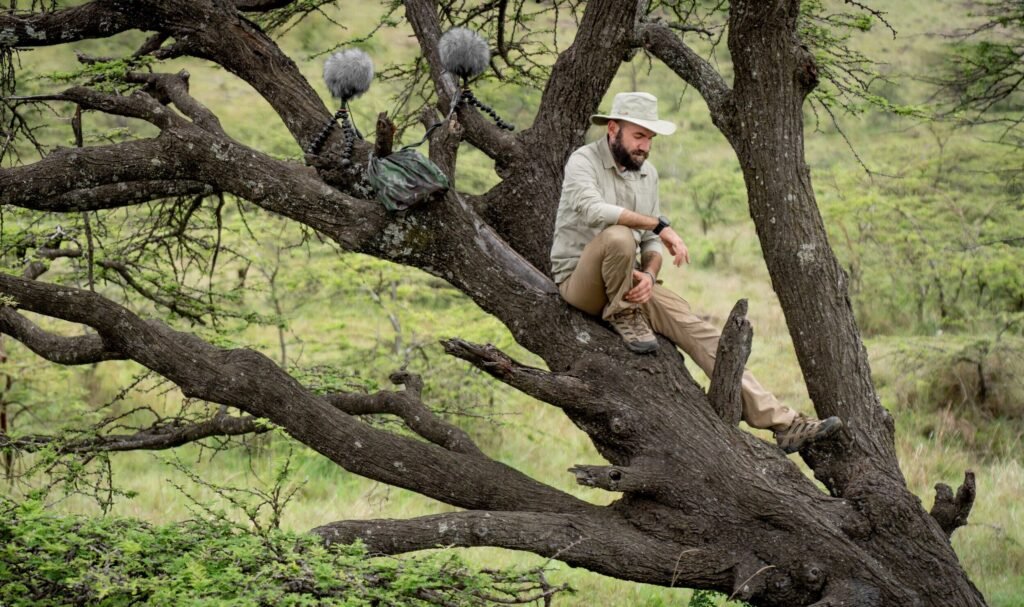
x=733 y=351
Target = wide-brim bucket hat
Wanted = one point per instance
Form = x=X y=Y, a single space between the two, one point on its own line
x=638 y=108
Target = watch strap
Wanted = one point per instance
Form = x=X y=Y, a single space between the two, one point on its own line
x=662 y=224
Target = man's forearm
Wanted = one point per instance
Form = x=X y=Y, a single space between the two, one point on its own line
x=637 y=221
x=650 y=262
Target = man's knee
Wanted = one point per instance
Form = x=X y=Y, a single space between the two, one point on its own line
x=619 y=239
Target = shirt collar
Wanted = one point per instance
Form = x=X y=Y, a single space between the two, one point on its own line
x=604 y=151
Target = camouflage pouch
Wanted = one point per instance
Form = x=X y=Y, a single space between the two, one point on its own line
x=404 y=179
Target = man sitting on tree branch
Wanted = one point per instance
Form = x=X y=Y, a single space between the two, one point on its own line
x=609 y=208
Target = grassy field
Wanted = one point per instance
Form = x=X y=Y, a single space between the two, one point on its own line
x=356 y=319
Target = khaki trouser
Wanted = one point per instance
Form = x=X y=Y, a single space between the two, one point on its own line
x=604 y=275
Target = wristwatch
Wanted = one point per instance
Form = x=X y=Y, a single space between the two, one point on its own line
x=662 y=224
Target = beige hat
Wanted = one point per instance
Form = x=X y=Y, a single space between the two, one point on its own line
x=638 y=108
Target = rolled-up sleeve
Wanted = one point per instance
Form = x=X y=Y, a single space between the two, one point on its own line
x=651 y=245
x=580 y=190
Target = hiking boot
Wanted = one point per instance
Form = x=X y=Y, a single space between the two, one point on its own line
x=804 y=431
x=633 y=328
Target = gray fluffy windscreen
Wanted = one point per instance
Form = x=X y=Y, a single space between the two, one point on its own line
x=348 y=73
x=464 y=53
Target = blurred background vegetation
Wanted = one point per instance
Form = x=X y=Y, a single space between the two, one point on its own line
x=923 y=203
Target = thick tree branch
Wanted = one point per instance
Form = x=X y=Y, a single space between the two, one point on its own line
x=79 y=350
x=135 y=105
x=67 y=180
x=590 y=540
x=206 y=29
x=733 y=350
x=185 y=152
x=408 y=405
x=98 y=19
x=663 y=43
x=951 y=511
x=255 y=384
x=770 y=82
x=115 y=195
x=810 y=282
x=163 y=435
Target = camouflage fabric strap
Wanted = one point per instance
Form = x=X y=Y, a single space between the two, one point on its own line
x=404 y=179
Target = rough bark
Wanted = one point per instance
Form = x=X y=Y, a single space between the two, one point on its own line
x=733 y=351
x=774 y=73
x=703 y=503
x=951 y=511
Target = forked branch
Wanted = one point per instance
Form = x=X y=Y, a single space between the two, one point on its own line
x=408 y=405
x=78 y=350
x=253 y=383
x=175 y=88
x=479 y=131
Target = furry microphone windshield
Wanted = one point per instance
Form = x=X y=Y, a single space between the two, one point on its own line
x=348 y=74
x=464 y=53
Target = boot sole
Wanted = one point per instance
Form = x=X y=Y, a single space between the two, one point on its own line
x=643 y=347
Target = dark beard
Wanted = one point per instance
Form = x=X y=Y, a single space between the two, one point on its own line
x=622 y=157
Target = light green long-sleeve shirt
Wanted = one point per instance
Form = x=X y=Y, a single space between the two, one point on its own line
x=594 y=192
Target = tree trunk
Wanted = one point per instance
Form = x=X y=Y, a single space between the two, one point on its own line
x=774 y=73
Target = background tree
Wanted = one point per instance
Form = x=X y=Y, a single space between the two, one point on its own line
x=984 y=79
x=703 y=505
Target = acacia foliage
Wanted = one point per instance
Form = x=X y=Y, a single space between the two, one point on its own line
x=936 y=245
x=984 y=76
x=49 y=560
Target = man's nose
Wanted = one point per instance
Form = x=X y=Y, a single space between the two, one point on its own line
x=645 y=145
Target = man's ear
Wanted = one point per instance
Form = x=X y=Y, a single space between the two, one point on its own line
x=613 y=128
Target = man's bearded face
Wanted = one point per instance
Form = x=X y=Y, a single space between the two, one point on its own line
x=631 y=145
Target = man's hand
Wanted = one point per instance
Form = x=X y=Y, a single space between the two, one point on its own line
x=675 y=246
x=643 y=288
